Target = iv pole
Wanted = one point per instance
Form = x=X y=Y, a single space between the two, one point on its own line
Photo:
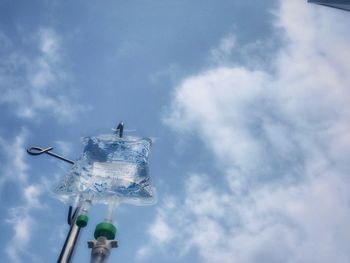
x=72 y=237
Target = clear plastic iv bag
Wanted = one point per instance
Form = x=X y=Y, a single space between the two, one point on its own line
x=110 y=169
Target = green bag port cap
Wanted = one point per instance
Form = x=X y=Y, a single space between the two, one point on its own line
x=105 y=229
x=82 y=220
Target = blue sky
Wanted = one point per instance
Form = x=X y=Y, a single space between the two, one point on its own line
x=247 y=102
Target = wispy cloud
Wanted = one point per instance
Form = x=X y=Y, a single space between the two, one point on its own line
x=14 y=166
x=300 y=223
x=19 y=217
x=161 y=231
x=282 y=141
x=225 y=49
x=23 y=223
x=33 y=79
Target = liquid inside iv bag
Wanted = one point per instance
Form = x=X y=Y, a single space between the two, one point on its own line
x=110 y=168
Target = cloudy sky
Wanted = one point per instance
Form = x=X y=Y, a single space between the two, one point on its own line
x=248 y=104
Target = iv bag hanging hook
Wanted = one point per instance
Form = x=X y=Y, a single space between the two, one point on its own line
x=120 y=128
x=38 y=150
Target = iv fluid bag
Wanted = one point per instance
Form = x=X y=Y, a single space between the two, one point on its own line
x=110 y=168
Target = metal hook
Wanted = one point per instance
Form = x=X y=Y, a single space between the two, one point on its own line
x=120 y=127
x=71 y=215
x=38 y=150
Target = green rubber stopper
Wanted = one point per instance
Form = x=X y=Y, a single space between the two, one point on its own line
x=105 y=229
x=82 y=220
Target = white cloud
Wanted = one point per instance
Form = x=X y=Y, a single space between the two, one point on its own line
x=275 y=223
x=282 y=140
x=32 y=194
x=14 y=166
x=49 y=43
x=22 y=224
x=160 y=231
x=225 y=49
x=33 y=80
x=143 y=253
x=20 y=217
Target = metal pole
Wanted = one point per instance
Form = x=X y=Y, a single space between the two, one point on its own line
x=71 y=240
